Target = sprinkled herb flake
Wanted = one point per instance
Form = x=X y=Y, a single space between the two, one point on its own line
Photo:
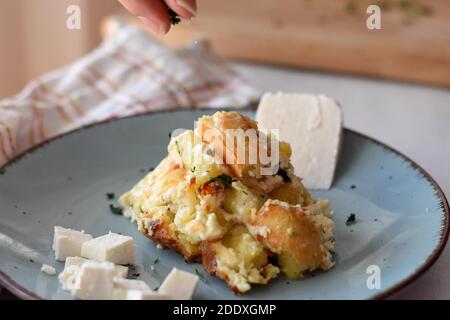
x=116 y=210
x=110 y=195
x=200 y=275
x=173 y=16
x=2 y=172
x=156 y=261
x=284 y=175
x=178 y=147
x=351 y=219
x=352 y=186
x=226 y=180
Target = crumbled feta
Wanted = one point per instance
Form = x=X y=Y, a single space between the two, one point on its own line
x=94 y=281
x=68 y=242
x=48 y=269
x=313 y=127
x=122 y=286
x=145 y=295
x=73 y=267
x=179 y=285
x=111 y=247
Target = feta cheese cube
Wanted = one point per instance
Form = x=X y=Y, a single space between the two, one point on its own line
x=111 y=247
x=179 y=285
x=145 y=295
x=95 y=281
x=48 y=269
x=68 y=242
x=73 y=267
x=121 y=287
x=312 y=125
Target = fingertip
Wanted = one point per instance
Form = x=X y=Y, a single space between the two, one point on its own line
x=186 y=9
x=158 y=28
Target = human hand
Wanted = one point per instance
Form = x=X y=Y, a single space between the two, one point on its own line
x=154 y=13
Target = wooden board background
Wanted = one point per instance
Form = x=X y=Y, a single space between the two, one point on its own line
x=330 y=35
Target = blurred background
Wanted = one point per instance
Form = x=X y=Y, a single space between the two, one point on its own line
x=413 y=45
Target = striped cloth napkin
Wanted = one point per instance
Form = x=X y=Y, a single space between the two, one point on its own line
x=128 y=74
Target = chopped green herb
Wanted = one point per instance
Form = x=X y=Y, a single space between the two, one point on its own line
x=31 y=260
x=178 y=147
x=156 y=261
x=193 y=169
x=353 y=187
x=351 y=219
x=284 y=175
x=151 y=169
x=170 y=135
x=244 y=192
x=209 y=152
x=110 y=195
x=136 y=275
x=116 y=210
x=174 y=18
x=2 y=171
x=226 y=180
x=200 y=275
x=156 y=289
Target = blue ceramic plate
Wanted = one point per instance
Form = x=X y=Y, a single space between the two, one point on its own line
x=402 y=214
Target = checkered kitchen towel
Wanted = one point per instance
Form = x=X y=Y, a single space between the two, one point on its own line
x=129 y=73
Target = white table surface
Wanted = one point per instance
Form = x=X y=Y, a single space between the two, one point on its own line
x=414 y=119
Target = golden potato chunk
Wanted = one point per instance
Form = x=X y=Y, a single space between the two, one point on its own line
x=239 y=260
x=293 y=236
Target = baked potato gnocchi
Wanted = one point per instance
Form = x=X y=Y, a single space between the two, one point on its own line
x=243 y=226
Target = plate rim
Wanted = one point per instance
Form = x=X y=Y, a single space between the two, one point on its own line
x=7 y=282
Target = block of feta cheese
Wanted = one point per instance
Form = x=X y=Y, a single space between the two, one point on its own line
x=68 y=242
x=48 y=269
x=73 y=266
x=145 y=295
x=313 y=127
x=122 y=286
x=111 y=247
x=179 y=285
x=94 y=281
